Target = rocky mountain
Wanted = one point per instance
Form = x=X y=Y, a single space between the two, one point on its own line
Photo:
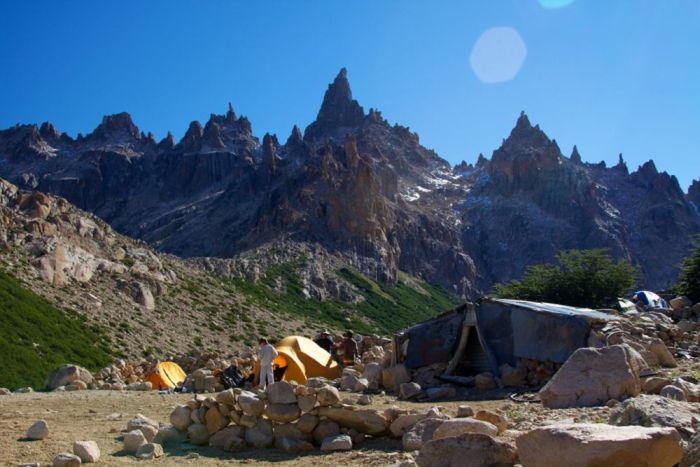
x=363 y=190
x=65 y=270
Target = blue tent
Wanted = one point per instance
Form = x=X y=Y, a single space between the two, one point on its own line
x=503 y=331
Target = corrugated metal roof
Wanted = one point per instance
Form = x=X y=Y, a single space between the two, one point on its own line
x=553 y=308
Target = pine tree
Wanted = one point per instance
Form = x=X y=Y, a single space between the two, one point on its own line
x=689 y=283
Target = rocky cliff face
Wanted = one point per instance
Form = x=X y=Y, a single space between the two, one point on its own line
x=362 y=188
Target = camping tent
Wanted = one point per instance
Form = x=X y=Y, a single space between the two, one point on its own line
x=301 y=358
x=166 y=375
x=649 y=299
x=479 y=337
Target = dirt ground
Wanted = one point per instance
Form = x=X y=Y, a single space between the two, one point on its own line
x=101 y=416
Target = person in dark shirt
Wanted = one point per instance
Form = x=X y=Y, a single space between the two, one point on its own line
x=350 y=349
x=325 y=341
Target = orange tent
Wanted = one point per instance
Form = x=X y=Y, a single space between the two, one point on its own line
x=302 y=358
x=166 y=375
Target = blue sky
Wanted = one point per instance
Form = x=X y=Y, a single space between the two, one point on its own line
x=608 y=75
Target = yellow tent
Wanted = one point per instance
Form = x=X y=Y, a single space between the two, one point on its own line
x=302 y=358
x=166 y=375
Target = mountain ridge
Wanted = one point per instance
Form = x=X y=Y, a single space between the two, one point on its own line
x=364 y=188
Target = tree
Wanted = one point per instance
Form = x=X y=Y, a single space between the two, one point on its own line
x=584 y=278
x=689 y=281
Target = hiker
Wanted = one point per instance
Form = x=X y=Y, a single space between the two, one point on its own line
x=349 y=349
x=267 y=353
x=325 y=341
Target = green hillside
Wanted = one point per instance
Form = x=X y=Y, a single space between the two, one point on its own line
x=384 y=311
x=36 y=337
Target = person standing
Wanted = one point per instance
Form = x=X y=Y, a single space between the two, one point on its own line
x=350 y=350
x=267 y=354
x=325 y=341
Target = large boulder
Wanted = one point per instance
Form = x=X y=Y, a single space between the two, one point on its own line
x=307 y=423
x=582 y=445
x=394 y=377
x=88 y=451
x=281 y=392
x=251 y=404
x=405 y=422
x=230 y=438
x=327 y=396
x=373 y=374
x=459 y=426
x=38 y=430
x=337 y=443
x=657 y=411
x=260 y=435
x=467 y=450
x=324 y=429
x=215 y=420
x=420 y=433
x=593 y=376
x=181 y=417
x=366 y=421
x=198 y=434
x=134 y=440
x=66 y=374
x=282 y=413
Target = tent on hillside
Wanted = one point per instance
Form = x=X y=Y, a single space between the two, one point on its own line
x=479 y=337
x=166 y=375
x=301 y=358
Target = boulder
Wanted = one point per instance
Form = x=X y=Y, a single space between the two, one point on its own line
x=690 y=390
x=198 y=434
x=465 y=411
x=66 y=459
x=66 y=374
x=498 y=420
x=405 y=422
x=169 y=436
x=657 y=411
x=409 y=390
x=582 y=445
x=367 y=421
x=88 y=451
x=681 y=302
x=282 y=413
x=306 y=403
x=467 y=450
x=281 y=392
x=673 y=392
x=395 y=376
x=664 y=356
x=260 y=435
x=336 y=443
x=420 y=433
x=654 y=384
x=230 y=439
x=227 y=397
x=373 y=375
x=327 y=396
x=149 y=432
x=248 y=421
x=215 y=420
x=459 y=426
x=307 y=423
x=592 y=377
x=134 y=440
x=181 y=417
x=251 y=404
x=324 y=429
x=38 y=430
x=149 y=451
x=289 y=430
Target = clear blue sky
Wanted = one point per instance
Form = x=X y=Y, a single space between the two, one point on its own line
x=608 y=75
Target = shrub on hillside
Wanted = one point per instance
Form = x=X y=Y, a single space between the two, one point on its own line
x=584 y=278
x=689 y=281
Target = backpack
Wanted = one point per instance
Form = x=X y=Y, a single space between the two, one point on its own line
x=232 y=377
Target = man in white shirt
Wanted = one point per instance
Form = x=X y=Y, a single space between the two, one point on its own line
x=267 y=353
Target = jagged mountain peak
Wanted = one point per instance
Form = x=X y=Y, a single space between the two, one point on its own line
x=575 y=156
x=338 y=110
x=116 y=126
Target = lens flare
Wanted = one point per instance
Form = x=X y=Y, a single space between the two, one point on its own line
x=498 y=55
x=555 y=3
